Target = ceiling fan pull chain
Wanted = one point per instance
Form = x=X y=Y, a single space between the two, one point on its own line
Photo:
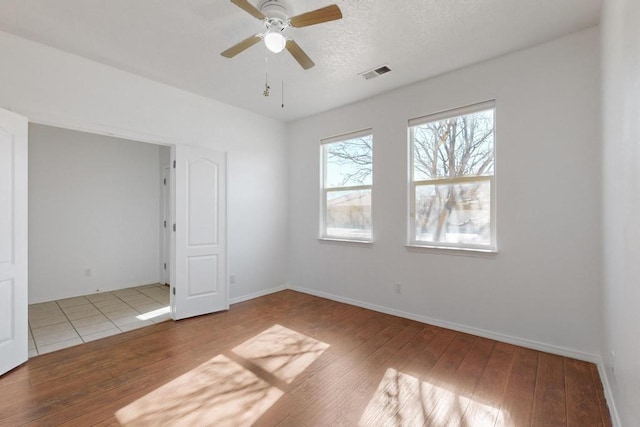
x=266 y=75
x=282 y=106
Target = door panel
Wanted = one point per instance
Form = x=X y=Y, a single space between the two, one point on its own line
x=13 y=241
x=199 y=282
x=202 y=273
x=202 y=200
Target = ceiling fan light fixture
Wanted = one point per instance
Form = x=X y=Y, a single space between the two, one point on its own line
x=275 y=42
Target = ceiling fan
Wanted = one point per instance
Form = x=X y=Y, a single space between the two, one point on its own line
x=276 y=21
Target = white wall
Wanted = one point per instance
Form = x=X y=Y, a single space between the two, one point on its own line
x=53 y=87
x=93 y=204
x=621 y=204
x=544 y=284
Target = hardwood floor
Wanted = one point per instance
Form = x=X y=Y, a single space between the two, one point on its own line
x=327 y=364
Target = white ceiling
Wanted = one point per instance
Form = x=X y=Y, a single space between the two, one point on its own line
x=179 y=42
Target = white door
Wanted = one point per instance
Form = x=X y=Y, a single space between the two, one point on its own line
x=13 y=240
x=199 y=244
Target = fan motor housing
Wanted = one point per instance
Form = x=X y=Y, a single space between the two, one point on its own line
x=275 y=10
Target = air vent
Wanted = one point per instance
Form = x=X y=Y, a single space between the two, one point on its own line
x=367 y=75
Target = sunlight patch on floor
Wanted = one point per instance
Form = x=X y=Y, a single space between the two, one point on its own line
x=219 y=392
x=153 y=314
x=402 y=399
x=281 y=352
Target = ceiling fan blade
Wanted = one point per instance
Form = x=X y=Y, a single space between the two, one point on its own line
x=325 y=14
x=299 y=55
x=243 y=45
x=249 y=8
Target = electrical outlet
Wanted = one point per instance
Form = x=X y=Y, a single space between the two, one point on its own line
x=398 y=288
x=232 y=279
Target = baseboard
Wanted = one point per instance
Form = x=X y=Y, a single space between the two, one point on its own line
x=535 y=345
x=258 y=294
x=608 y=395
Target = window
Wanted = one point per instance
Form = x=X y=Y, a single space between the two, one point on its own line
x=347 y=178
x=452 y=164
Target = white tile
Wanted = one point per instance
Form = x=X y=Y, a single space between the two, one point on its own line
x=91 y=320
x=45 y=330
x=110 y=306
x=69 y=302
x=52 y=319
x=145 y=308
x=42 y=349
x=137 y=299
x=55 y=338
x=53 y=334
x=149 y=290
x=101 y=297
x=77 y=308
x=90 y=310
x=44 y=314
x=95 y=328
x=135 y=325
x=126 y=320
x=125 y=292
x=44 y=306
x=102 y=334
x=121 y=314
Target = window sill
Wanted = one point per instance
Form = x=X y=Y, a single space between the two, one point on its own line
x=347 y=242
x=473 y=252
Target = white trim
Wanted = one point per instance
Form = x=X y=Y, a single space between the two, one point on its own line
x=258 y=294
x=49 y=119
x=351 y=242
x=347 y=136
x=348 y=188
x=452 y=250
x=452 y=113
x=455 y=180
x=608 y=395
x=522 y=342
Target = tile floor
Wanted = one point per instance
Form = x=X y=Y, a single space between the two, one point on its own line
x=64 y=323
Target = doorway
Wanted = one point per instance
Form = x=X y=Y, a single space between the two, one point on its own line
x=197 y=201
x=97 y=211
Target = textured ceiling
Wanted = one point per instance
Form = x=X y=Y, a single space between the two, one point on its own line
x=179 y=43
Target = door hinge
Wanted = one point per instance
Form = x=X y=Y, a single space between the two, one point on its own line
x=174 y=227
x=164 y=181
x=174 y=290
x=165 y=265
x=174 y=164
x=165 y=224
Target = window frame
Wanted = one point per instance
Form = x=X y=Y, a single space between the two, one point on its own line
x=412 y=242
x=324 y=190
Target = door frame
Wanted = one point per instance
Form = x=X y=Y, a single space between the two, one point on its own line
x=49 y=119
x=165 y=241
